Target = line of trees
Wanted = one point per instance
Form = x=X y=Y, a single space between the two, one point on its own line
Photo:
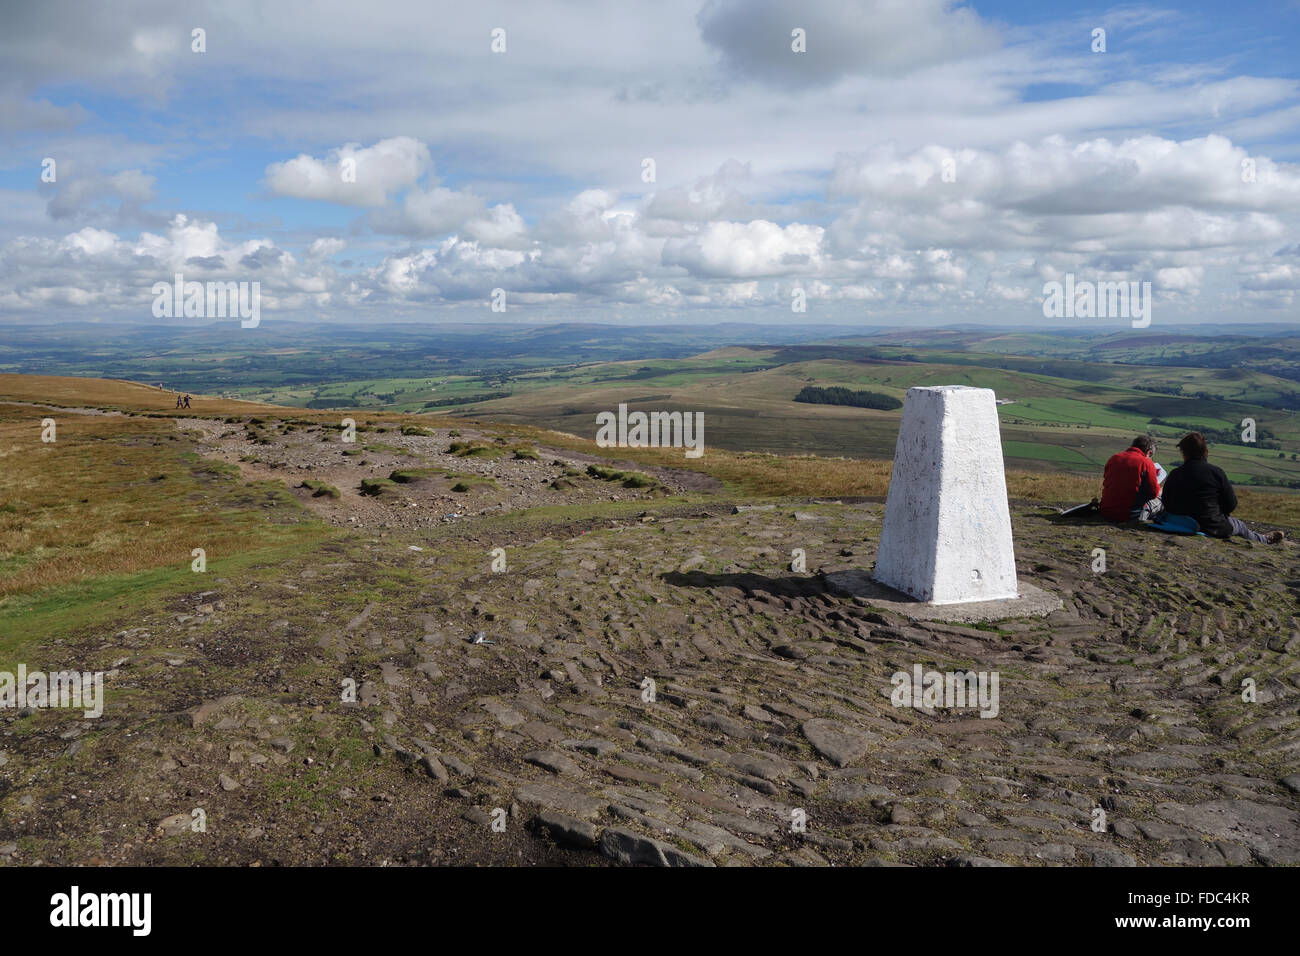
x=466 y=399
x=838 y=395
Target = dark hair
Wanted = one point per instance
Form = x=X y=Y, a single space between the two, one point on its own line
x=1193 y=446
x=1145 y=444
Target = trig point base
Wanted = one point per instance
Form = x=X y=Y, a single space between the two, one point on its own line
x=946 y=537
x=1032 y=602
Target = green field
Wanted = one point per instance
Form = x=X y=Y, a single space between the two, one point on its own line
x=746 y=396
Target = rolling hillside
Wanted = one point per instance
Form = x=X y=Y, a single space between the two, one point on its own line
x=747 y=399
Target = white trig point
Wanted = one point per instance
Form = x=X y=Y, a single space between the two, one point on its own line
x=946 y=537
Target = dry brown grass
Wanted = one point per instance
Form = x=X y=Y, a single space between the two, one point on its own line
x=107 y=393
x=131 y=397
x=757 y=475
x=114 y=496
x=776 y=476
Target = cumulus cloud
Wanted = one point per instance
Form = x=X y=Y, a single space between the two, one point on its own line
x=710 y=197
x=500 y=226
x=395 y=177
x=898 y=246
x=97 y=267
x=746 y=249
x=352 y=175
x=428 y=212
x=1150 y=208
x=1059 y=177
x=325 y=246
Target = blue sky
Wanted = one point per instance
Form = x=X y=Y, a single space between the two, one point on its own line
x=919 y=162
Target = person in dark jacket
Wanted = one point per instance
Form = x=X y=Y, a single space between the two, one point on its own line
x=1203 y=492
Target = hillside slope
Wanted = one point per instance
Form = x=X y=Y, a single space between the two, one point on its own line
x=519 y=695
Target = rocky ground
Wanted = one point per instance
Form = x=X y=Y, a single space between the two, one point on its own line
x=657 y=686
x=545 y=476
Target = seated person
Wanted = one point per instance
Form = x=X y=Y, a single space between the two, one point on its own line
x=1203 y=492
x=1130 y=487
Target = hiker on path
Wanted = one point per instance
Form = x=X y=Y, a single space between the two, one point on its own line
x=1203 y=492
x=1130 y=486
x=178 y=401
x=187 y=401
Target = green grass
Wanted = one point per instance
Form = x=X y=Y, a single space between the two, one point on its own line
x=1071 y=412
x=407 y=475
x=381 y=448
x=320 y=489
x=471 y=483
x=629 y=479
x=1044 y=452
x=28 y=622
x=92 y=503
x=475 y=449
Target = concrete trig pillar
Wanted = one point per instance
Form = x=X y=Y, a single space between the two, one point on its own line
x=946 y=537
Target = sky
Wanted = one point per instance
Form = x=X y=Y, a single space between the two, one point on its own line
x=877 y=162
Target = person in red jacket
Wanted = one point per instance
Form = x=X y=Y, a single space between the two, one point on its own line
x=1131 y=482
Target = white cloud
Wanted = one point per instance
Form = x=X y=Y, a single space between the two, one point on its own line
x=101 y=268
x=710 y=197
x=91 y=241
x=824 y=168
x=1180 y=279
x=1059 y=177
x=501 y=226
x=352 y=175
x=746 y=249
x=325 y=246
